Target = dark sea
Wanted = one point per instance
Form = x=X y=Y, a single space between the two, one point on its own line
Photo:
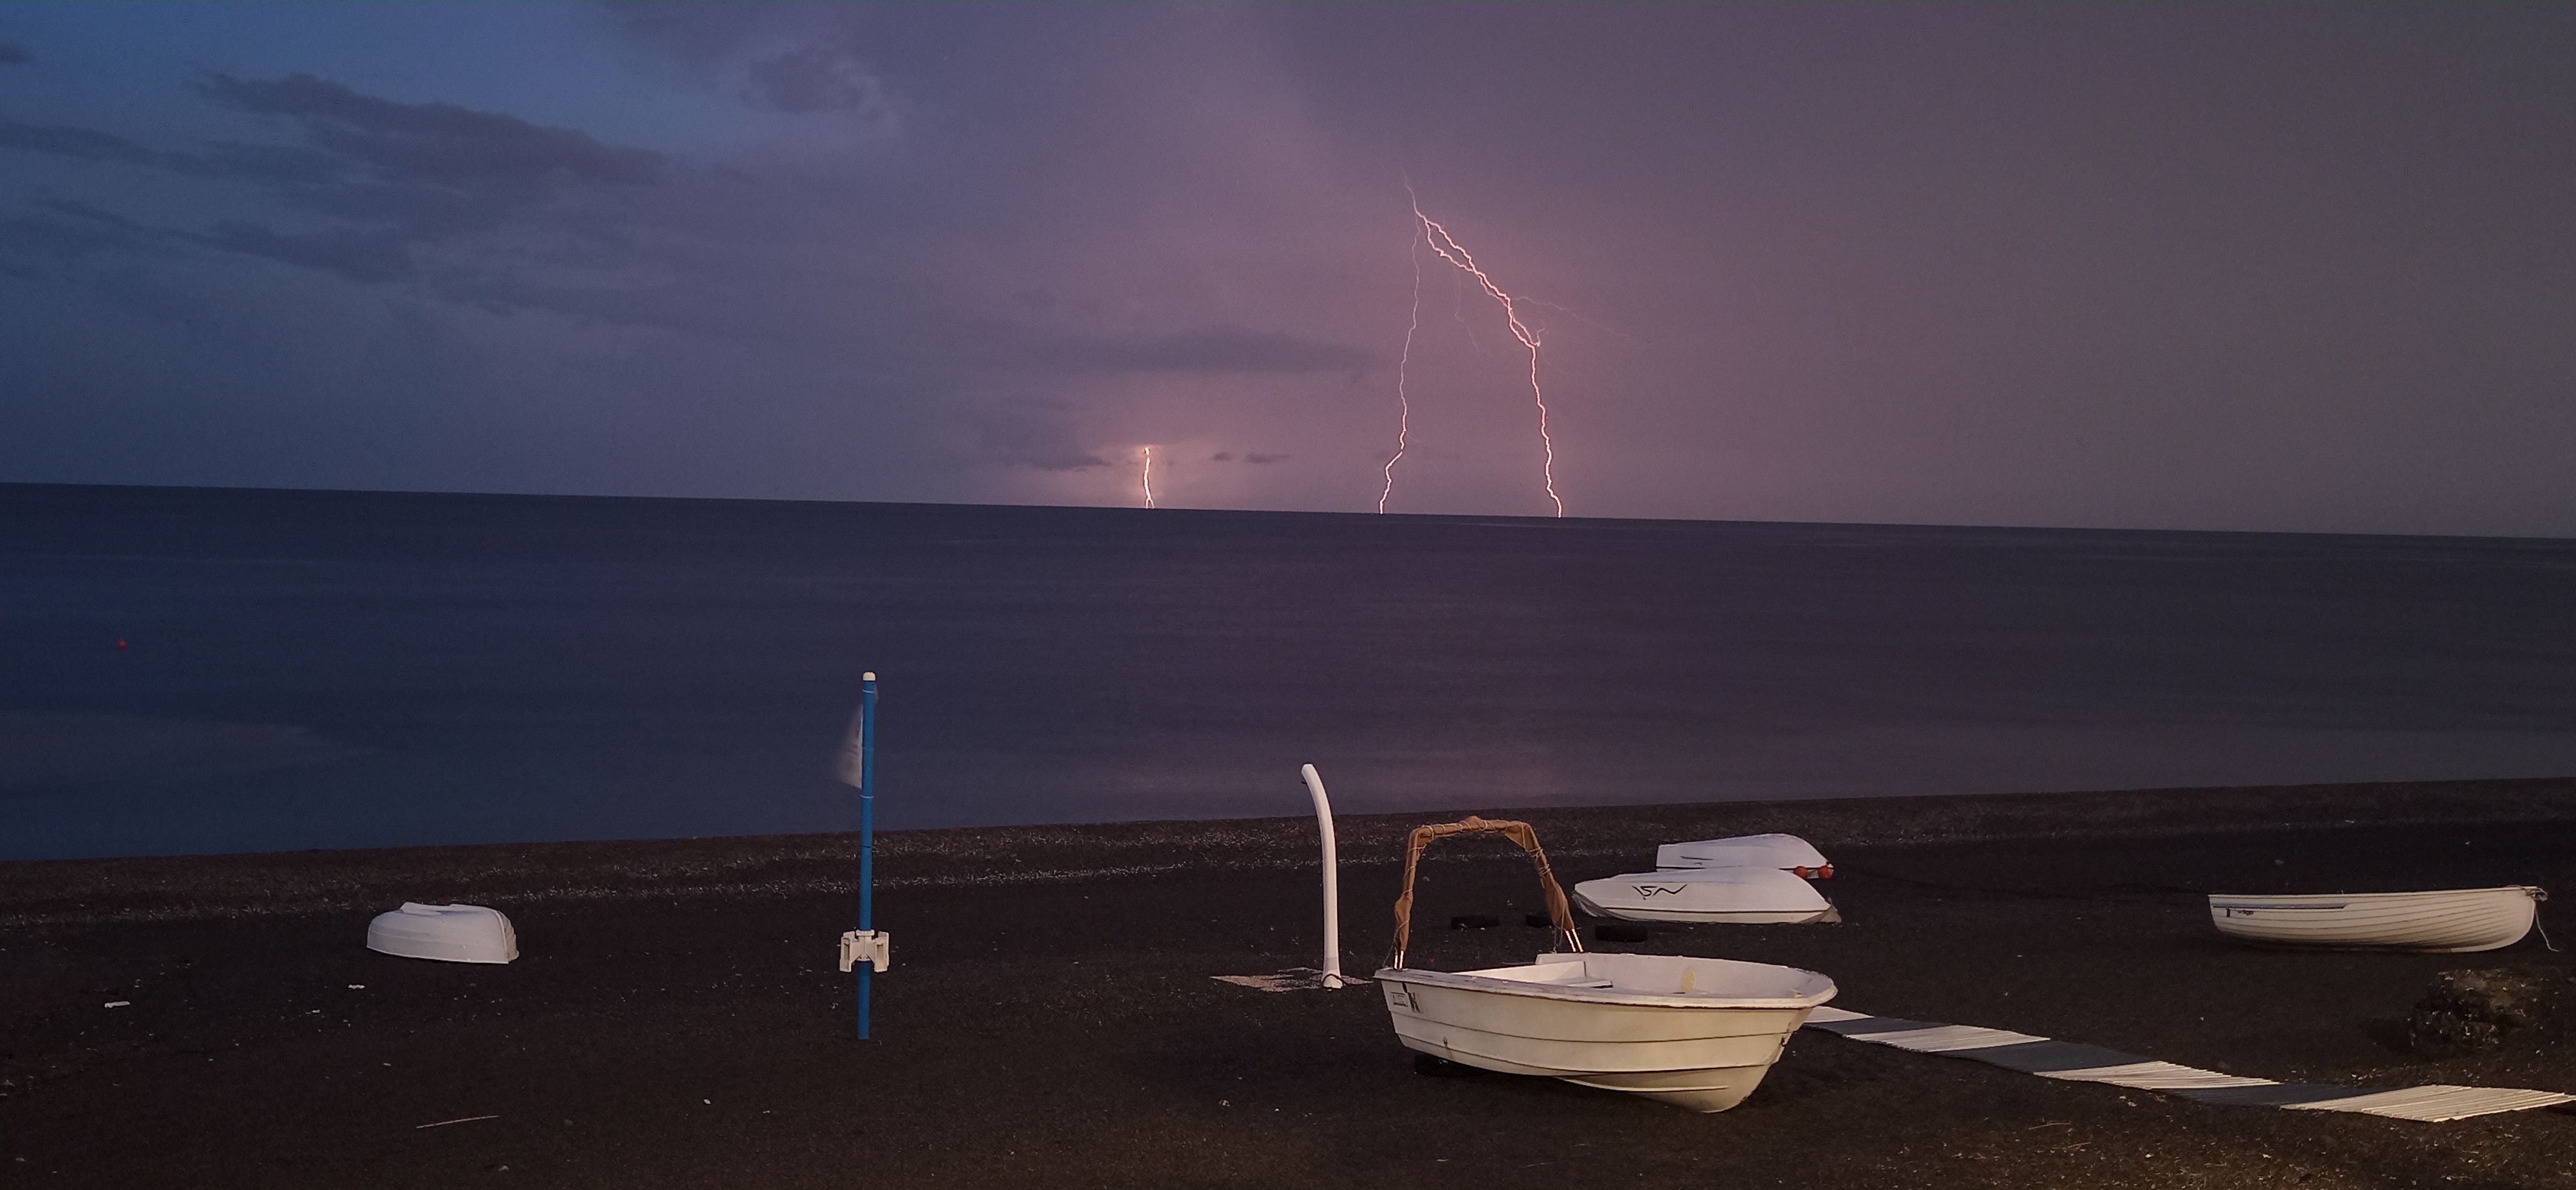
x=194 y=670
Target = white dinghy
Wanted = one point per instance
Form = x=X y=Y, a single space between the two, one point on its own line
x=1692 y=1032
x=2460 y=919
x=1786 y=852
x=449 y=933
x=1744 y=896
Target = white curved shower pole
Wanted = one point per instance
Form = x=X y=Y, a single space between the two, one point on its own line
x=1332 y=894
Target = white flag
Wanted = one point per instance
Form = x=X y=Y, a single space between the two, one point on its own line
x=846 y=765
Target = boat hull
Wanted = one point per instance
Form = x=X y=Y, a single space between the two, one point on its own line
x=1695 y=1033
x=2451 y=920
x=1743 y=896
x=1741 y=851
x=446 y=933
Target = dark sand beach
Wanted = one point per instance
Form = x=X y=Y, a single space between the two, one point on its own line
x=1050 y=1021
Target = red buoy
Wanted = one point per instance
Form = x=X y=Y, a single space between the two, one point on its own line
x=120 y=642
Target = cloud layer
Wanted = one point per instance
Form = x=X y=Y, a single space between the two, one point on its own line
x=2206 y=268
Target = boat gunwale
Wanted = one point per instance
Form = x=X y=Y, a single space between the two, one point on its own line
x=1718 y=917
x=1729 y=874
x=1468 y=981
x=2346 y=900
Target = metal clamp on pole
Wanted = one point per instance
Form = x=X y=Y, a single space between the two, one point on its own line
x=873 y=947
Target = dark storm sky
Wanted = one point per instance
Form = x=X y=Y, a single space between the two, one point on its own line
x=2261 y=267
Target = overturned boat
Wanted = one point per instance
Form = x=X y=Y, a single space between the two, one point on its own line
x=1692 y=1032
x=448 y=933
x=1743 y=896
x=1786 y=852
x=1746 y=880
x=2461 y=919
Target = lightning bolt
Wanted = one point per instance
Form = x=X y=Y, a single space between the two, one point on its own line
x=1450 y=250
x=1149 y=477
x=1404 y=406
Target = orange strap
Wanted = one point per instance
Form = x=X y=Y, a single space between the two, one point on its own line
x=1518 y=832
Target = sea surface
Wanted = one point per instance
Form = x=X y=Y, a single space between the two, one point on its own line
x=194 y=670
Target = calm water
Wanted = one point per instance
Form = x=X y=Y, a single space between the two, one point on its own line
x=339 y=669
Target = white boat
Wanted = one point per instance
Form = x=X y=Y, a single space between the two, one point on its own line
x=1746 y=896
x=2459 y=919
x=1693 y=1032
x=449 y=933
x=1788 y=852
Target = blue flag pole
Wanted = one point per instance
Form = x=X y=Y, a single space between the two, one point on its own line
x=867 y=830
x=864 y=950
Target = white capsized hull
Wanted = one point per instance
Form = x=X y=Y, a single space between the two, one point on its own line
x=1696 y=1033
x=1744 y=896
x=2463 y=919
x=1742 y=851
x=448 y=933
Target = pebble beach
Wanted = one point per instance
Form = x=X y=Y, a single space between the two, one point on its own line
x=1051 y=1020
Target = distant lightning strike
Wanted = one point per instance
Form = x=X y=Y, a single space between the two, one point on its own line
x=1149 y=477
x=1403 y=404
x=1450 y=250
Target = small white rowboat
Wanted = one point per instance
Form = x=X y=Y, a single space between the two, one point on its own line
x=1786 y=852
x=2459 y=919
x=448 y=933
x=1695 y=1033
x=1746 y=896
x=1692 y=1032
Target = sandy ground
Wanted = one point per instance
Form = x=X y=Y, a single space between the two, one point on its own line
x=1050 y=1021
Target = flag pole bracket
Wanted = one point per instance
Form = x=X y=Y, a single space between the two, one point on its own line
x=873 y=947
